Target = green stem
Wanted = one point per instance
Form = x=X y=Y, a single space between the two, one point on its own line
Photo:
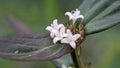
x=78 y=53
x=76 y=57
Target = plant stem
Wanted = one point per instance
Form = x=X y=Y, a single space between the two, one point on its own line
x=76 y=57
x=78 y=53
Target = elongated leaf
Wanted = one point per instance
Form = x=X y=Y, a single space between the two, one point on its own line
x=100 y=15
x=102 y=24
x=31 y=48
x=87 y=5
x=111 y=9
x=95 y=9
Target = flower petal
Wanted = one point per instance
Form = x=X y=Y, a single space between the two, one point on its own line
x=55 y=23
x=49 y=28
x=54 y=31
x=60 y=26
x=52 y=35
x=76 y=12
x=74 y=20
x=56 y=39
x=80 y=16
x=64 y=35
x=69 y=33
x=73 y=44
x=65 y=40
x=69 y=14
x=75 y=37
x=62 y=31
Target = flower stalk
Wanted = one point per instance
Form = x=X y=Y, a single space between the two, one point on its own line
x=76 y=54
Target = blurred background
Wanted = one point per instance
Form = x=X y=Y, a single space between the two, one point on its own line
x=102 y=49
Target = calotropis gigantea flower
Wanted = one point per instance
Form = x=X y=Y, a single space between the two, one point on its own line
x=54 y=28
x=70 y=39
x=74 y=15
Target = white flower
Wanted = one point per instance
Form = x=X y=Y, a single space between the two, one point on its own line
x=59 y=35
x=63 y=66
x=74 y=15
x=70 y=39
x=55 y=24
x=54 y=28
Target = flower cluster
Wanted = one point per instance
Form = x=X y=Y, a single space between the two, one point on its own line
x=59 y=33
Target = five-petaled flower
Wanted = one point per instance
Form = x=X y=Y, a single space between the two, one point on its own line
x=74 y=15
x=70 y=39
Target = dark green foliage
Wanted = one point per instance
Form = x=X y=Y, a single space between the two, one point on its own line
x=100 y=15
x=31 y=48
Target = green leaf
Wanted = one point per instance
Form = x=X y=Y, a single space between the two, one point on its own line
x=102 y=24
x=100 y=15
x=115 y=6
x=31 y=48
x=94 y=8
x=87 y=5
